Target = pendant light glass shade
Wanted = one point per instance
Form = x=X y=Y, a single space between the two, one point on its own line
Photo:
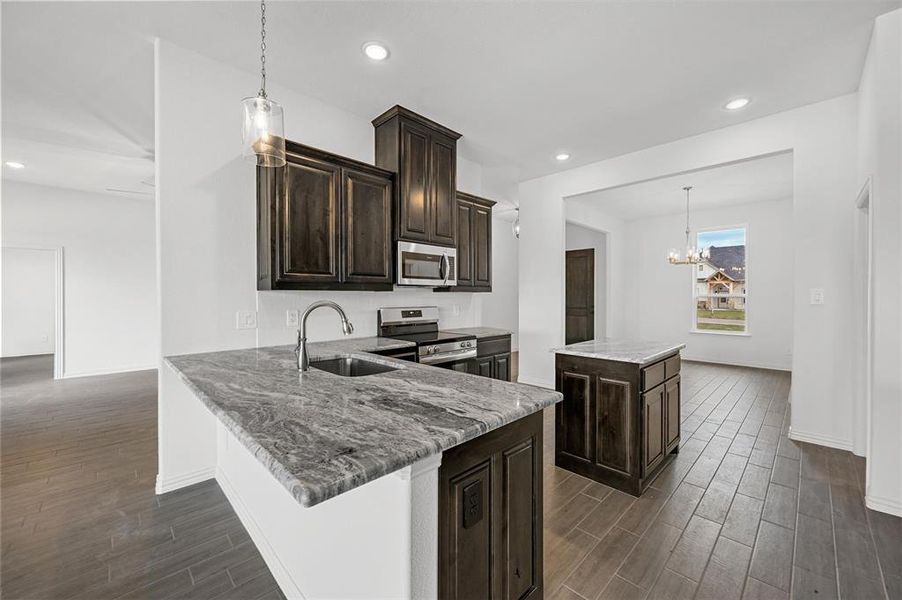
x=263 y=131
x=516 y=225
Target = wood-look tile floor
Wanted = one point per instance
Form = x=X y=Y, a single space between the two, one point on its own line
x=741 y=513
x=80 y=518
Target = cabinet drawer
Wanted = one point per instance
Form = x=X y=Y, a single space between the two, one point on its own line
x=653 y=375
x=498 y=345
x=672 y=366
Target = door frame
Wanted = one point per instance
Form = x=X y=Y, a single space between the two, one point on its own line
x=59 y=312
x=865 y=209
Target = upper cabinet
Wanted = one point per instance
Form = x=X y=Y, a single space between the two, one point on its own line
x=474 y=244
x=423 y=154
x=324 y=222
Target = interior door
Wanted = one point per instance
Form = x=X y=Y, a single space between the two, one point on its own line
x=580 y=296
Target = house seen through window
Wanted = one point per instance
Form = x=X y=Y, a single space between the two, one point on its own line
x=721 y=282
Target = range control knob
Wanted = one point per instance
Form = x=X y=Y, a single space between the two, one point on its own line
x=434 y=349
x=469 y=344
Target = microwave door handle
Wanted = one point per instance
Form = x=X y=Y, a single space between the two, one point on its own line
x=446 y=268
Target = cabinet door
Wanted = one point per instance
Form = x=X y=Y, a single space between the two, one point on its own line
x=520 y=545
x=463 y=366
x=574 y=415
x=482 y=366
x=613 y=424
x=414 y=183
x=465 y=211
x=468 y=572
x=672 y=416
x=482 y=247
x=309 y=215
x=653 y=408
x=443 y=198
x=501 y=367
x=366 y=228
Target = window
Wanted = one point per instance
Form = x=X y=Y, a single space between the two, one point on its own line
x=721 y=282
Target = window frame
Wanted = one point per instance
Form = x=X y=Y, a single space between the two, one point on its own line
x=693 y=325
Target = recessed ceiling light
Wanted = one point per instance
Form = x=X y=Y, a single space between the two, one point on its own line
x=13 y=164
x=562 y=156
x=375 y=50
x=736 y=104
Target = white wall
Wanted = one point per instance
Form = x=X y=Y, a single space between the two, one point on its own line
x=28 y=301
x=664 y=298
x=579 y=238
x=822 y=137
x=880 y=156
x=110 y=320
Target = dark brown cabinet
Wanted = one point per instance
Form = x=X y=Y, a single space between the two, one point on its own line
x=493 y=358
x=619 y=422
x=474 y=244
x=423 y=154
x=490 y=515
x=323 y=222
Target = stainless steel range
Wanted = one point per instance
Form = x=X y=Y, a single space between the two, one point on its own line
x=419 y=324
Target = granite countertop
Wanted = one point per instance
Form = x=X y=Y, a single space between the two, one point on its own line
x=480 y=332
x=322 y=435
x=631 y=351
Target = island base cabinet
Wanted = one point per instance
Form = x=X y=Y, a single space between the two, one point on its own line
x=619 y=423
x=490 y=515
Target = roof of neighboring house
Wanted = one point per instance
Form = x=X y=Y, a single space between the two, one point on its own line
x=729 y=260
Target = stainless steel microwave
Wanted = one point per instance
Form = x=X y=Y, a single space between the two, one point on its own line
x=426 y=265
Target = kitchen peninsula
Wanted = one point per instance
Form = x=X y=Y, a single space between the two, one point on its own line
x=404 y=483
x=619 y=422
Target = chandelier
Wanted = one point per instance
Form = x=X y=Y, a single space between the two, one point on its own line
x=693 y=254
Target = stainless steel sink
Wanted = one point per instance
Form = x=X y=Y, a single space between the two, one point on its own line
x=351 y=367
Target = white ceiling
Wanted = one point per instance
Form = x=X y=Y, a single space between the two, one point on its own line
x=758 y=180
x=520 y=80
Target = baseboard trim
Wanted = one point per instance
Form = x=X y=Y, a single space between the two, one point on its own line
x=68 y=375
x=170 y=484
x=288 y=585
x=820 y=440
x=884 y=505
x=749 y=365
x=536 y=382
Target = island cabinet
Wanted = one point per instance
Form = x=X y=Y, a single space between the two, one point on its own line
x=619 y=422
x=493 y=358
x=324 y=223
x=424 y=156
x=490 y=515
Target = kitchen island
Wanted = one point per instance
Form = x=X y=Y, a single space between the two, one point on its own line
x=619 y=422
x=365 y=486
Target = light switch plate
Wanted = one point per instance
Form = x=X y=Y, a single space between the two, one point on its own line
x=817 y=295
x=291 y=318
x=246 y=319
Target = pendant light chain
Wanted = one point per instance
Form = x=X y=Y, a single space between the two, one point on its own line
x=687 y=188
x=262 y=93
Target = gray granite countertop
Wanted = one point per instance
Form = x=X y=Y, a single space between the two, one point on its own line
x=480 y=332
x=321 y=434
x=631 y=351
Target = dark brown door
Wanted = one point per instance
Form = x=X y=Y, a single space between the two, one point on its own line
x=465 y=212
x=414 y=184
x=482 y=246
x=366 y=236
x=442 y=206
x=574 y=415
x=519 y=546
x=310 y=214
x=672 y=417
x=653 y=407
x=501 y=367
x=613 y=424
x=580 y=296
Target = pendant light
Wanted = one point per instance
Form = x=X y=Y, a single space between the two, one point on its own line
x=693 y=255
x=515 y=226
x=264 y=128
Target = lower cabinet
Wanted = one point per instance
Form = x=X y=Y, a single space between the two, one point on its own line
x=619 y=422
x=494 y=359
x=490 y=515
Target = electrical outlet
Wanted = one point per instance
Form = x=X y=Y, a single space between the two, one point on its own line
x=291 y=318
x=246 y=319
x=817 y=295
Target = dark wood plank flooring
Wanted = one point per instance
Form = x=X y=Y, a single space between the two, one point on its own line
x=742 y=512
x=80 y=518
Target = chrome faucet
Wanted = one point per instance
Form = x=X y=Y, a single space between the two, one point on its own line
x=301 y=350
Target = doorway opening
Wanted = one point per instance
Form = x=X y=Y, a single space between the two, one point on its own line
x=32 y=304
